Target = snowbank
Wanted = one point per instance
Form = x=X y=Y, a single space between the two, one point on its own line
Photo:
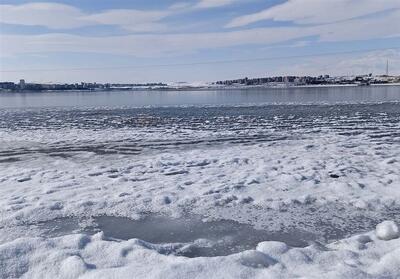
x=81 y=256
x=387 y=230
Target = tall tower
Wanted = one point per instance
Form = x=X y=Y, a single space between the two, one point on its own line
x=387 y=67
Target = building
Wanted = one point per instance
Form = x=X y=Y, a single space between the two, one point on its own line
x=22 y=84
x=7 y=85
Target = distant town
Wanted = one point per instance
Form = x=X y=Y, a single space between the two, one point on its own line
x=22 y=85
x=263 y=82
x=287 y=81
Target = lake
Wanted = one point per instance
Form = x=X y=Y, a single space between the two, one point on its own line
x=315 y=95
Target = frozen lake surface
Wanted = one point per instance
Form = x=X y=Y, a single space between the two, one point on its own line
x=167 y=176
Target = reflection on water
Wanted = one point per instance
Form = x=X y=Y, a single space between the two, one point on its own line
x=204 y=97
x=191 y=236
x=214 y=238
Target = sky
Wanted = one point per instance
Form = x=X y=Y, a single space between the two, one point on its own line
x=174 y=40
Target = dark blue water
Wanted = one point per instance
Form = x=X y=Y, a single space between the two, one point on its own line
x=199 y=98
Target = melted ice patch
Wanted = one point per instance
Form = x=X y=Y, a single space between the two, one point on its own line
x=188 y=236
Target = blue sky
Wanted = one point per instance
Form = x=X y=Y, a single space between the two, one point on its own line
x=110 y=41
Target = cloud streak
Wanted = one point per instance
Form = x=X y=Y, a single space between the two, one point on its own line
x=60 y=16
x=214 y=3
x=147 y=45
x=52 y=15
x=132 y=20
x=316 y=11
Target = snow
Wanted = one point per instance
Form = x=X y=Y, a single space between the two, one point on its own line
x=332 y=175
x=239 y=182
x=272 y=248
x=387 y=230
x=83 y=256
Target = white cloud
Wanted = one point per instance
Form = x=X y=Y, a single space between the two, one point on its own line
x=213 y=3
x=60 y=16
x=132 y=20
x=180 y=6
x=384 y=26
x=317 y=11
x=51 y=15
x=146 y=45
x=141 y=45
x=328 y=21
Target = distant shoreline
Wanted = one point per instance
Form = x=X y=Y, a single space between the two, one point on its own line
x=202 y=88
x=304 y=86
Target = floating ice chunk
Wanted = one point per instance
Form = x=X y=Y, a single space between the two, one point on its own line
x=253 y=181
x=73 y=267
x=361 y=204
x=246 y=200
x=296 y=257
x=272 y=248
x=276 y=205
x=24 y=179
x=391 y=161
x=98 y=236
x=202 y=163
x=363 y=238
x=226 y=200
x=56 y=206
x=163 y=200
x=253 y=258
x=389 y=265
x=387 y=230
x=306 y=199
x=176 y=172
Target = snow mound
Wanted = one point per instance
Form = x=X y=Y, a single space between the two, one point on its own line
x=387 y=230
x=256 y=259
x=83 y=256
x=272 y=248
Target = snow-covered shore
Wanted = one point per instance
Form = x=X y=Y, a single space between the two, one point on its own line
x=82 y=256
x=333 y=173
